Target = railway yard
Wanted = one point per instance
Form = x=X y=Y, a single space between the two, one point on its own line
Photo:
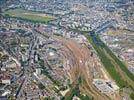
x=71 y=50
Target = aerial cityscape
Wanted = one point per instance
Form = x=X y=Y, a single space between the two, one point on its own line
x=66 y=49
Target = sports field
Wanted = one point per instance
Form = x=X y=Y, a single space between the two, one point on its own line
x=28 y=15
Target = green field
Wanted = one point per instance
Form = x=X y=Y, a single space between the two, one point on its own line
x=28 y=15
x=113 y=64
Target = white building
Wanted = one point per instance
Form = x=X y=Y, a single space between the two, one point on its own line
x=38 y=71
x=105 y=86
x=6 y=81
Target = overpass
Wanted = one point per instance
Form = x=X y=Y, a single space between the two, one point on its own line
x=104 y=26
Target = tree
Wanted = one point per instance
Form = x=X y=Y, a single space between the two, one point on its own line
x=4 y=58
x=132 y=96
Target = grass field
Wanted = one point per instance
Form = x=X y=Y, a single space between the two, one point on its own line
x=28 y=15
x=117 y=70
